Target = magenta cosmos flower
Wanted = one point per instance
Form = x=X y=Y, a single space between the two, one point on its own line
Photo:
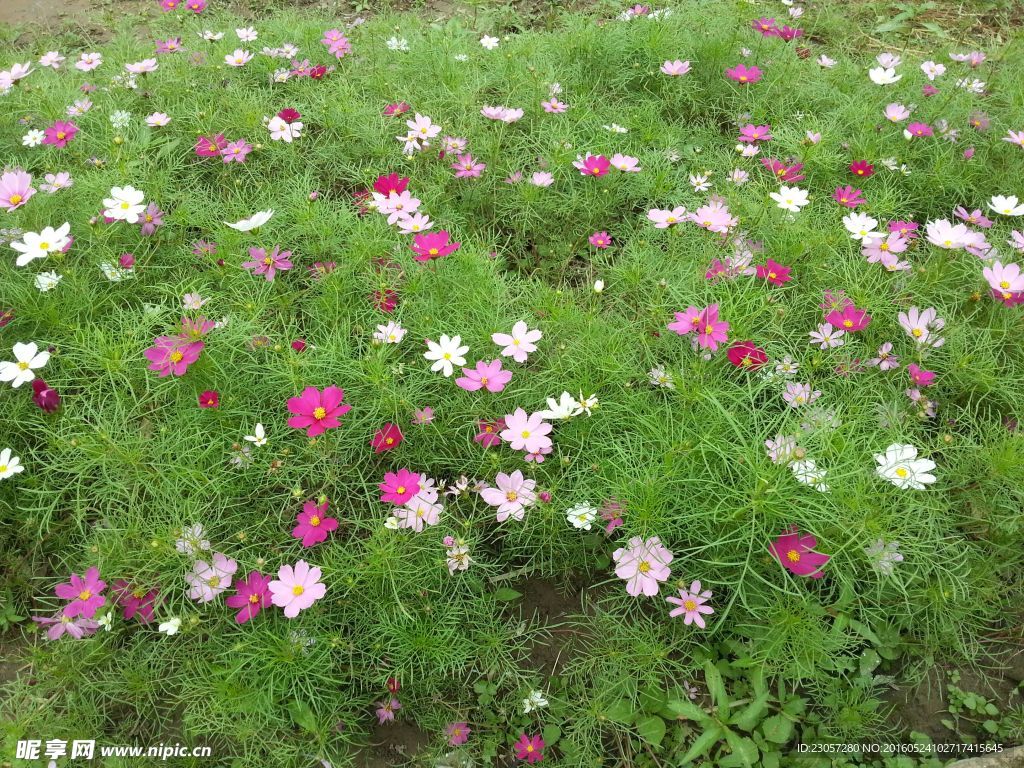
x=710 y=330
x=317 y=411
x=692 y=605
x=433 y=245
x=312 y=524
x=457 y=733
x=487 y=375
x=15 y=189
x=773 y=272
x=487 y=434
x=643 y=564
x=592 y=165
x=387 y=438
x=84 y=594
x=398 y=487
x=743 y=74
x=529 y=748
x=268 y=264
x=296 y=589
x=61 y=625
x=251 y=596
x=600 y=239
x=60 y=133
x=794 y=552
x=848 y=196
x=210 y=147
x=512 y=496
x=171 y=356
x=134 y=601
x=849 y=318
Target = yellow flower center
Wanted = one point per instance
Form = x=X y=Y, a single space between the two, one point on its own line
x=793 y=556
x=125 y=206
x=743 y=78
x=708 y=329
x=314 y=521
x=525 y=433
x=917 y=333
x=176 y=356
x=511 y=495
x=61 y=135
x=23 y=365
x=483 y=379
x=902 y=472
x=433 y=251
x=389 y=441
x=254 y=599
x=298 y=589
x=690 y=605
x=1004 y=284
x=15 y=199
x=400 y=490
x=213 y=581
x=319 y=413
x=85 y=594
x=268 y=261
x=644 y=567
x=44 y=246
x=848 y=323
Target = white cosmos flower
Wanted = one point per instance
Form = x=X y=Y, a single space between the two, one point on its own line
x=581 y=516
x=9 y=464
x=565 y=407
x=237 y=59
x=488 y=42
x=125 y=204
x=449 y=352
x=790 y=198
x=534 y=701
x=170 y=627
x=280 y=130
x=883 y=75
x=392 y=333
x=1006 y=205
x=901 y=467
x=37 y=246
x=862 y=227
x=258 y=219
x=27 y=358
x=808 y=473
x=259 y=436
x=47 y=281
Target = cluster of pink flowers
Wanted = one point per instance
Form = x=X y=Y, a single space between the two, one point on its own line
x=172 y=355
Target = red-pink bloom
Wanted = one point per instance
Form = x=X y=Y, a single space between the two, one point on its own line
x=433 y=245
x=920 y=129
x=457 y=733
x=793 y=551
x=391 y=110
x=317 y=411
x=746 y=354
x=171 y=356
x=710 y=330
x=529 y=748
x=919 y=376
x=849 y=318
x=385 y=300
x=251 y=595
x=743 y=74
x=765 y=26
x=45 y=396
x=399 y=487
x=60 y=133
x=687 y=321
x=210 y=147
x=387 y=438
x=489 y=376
x=312 y=524
x=773 y=272
x=750 y=134
x=488 y=434
x=134 y=602
x=592 y=165
x=782 y=171
x=84 y=594
x=862 y=168
x=209 y=399
x=385 y=185
x=848 y=196
x=196 y=6
x=600 y=240
x=268 y=264
x=289 y=115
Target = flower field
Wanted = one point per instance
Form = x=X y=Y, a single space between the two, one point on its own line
x=639 y=388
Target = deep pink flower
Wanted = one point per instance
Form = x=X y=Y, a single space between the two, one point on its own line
x=529 y=748
x=920 y=129
x=489 y=376
x=60 y=133
x=171 y=356
x=848 y=196
x=600 y=240
x=289 y=115
x=392 y=110
x=710 y=330
x=849 y=318
x=312 y=524
x=268 y=264
x=457 y=733
x=751 y=134
x=210 y=147
x=793 y=551
x=134 y=602
x=488 y=433
x=45 y=396
x=743 y=74
x=251 y=596
x=919 y=376
x=196 y=6
x=593 y=165
x=387 y=438
x=773 y=272
x=862 y=168
x=84 y=594
x=782 y=171
x=385 y=185
x=433 y=245
x=747 y=355
x=317 y=411
x=399 y=487
x=692 y=604
x=209 y=399
x=907 y=229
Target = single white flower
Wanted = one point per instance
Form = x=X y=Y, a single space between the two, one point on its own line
x=47 y=281
x=1006 y=205
x=790 y=198
x=534 y=701
x=933 y=69
x=883 y=75
x=259 y=436
x=808 y=473
x=488 y=42
x=27 y=358
x=449 y=352
x=258 y=219
x=862 y=227
x=246 y=34
x=901 y=467
x=581 y=516
x=397 y=44
x=33 y=138
x=125 y=204
x=38 y=245
x=170 y=627
x=281 y=130
x=565 y=407
x=9 y=464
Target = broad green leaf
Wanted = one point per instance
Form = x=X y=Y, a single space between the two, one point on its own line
x=777 y=728
x=506 y=594
x=682 y=709
x=302 y=715
x=551 y=734
x=651 y=729
x=744 y=749
x=702 y=744
x=621 y=711
x=716 y=687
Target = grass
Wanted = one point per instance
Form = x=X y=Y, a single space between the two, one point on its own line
x=130 y=459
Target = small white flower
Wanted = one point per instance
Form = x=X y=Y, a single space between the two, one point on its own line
x=488 y=42
x=446 y=354
x=587 y=404
x=901 y=467
x=170 y=627
x=246 y=34
x=661 y=378
x=120 y=119
x=33 y=138
x=581 y=516
x=21 y=370
x=598 y=286
x=34 y=246
x=397 y=44
x=391 y=333
x=9 y=464
x=47 y=281
x=534 y=701
x=883 y=75
x=1006 y=205
x=259 y=438
x=281 y=130
x=884 y=555
x=461 y=57
x=106 y=620
x=808 y=473
x=256 y=220
x=790 y=198
x=211 y=36
x=563 y=408
x=932 y=69
x=615 y=128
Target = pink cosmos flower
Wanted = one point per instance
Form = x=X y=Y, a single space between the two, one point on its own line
x=466 y=167
x=487 y=435
x=61 y=625
x=663 y=219
x=312 y=524
x=686 y=321
x=433 y=245
x=151 y=220
x=423 y=416
x=878 y=250
x=60 y=133
x=317 y=411
x=421 y=510
x=386 y=710
x=919 y=129
x=134 y=601
x=714 y=217
x=84 y=594
x=773 y=272
x=643 y=564
x=710 y=330
x=691 y=604
x=885 y=359
x=592 y=165
x=1004 y=279
x=196 y=6
x=15 y=189
x=387 y=438
x=675 y=68
x=975 y=217
x=600 y=239
x=798 y=394
x=919 y=376
x=848 y=196
x=625 y=163
x=512 y=496
x=393 y=110
x=268 y=264
x=743 y=74
x=208 y=580
x=750 y=134
x=793 y=551
x=171 y=356
x=487 y=375
x=526 y=432
x=896 y=112
x=235 y=151
x=849 y=319
x=529 y=748
x=782 y=171
x=862 y=168
x=747 y=355
x=296 y=588
x=520 y=343
x=399 y=487
x=251 y=596
x=457 y=733
x=554 y=106
x=923 y=325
